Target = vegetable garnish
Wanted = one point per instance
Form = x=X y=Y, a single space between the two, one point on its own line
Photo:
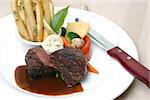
x=86 y=49
x=47 y=26
x=66 y=42
x=78 y=43
x=72 y=35
x=81 y=28
x=63 y=31
x=58 y=19
x=92 y=69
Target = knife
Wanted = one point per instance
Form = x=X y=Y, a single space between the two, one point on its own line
x=128 y=62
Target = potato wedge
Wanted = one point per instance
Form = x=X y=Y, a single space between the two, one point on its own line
x=39 y=20
x=28 y=27
x=34 y=2
x=14 y=8
x=46 y=34
x=46 y=10
x=51 y=6
x=31 y=18
x=21 y=10
x=21 y=27
x=22 y=15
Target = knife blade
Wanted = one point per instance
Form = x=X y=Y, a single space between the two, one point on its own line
x=129 y=63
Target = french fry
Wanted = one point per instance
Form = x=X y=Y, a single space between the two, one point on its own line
x=45 y=34
x=22 y=15
x=34 y=2
x=51 y=6
x=28 y=27
x=21 y=10
x=39 y=19
x=21 y=27
x=29 y=15
x=46 y=10
x=31 y=18
x=14 y=8
x=47 y=16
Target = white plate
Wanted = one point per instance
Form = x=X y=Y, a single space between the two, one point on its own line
x=112 y=81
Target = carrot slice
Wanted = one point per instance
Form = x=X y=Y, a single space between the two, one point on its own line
x=86 y=49
x=66 y=42
x=92 y=69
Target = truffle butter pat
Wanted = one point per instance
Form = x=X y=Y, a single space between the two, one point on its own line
x=52 y=43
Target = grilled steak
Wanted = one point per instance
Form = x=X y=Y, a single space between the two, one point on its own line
x=39 y=63
x=69 y=62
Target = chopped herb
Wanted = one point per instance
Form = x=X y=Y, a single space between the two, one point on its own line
x=16 y=14
x=21 y=2
x=34 y=3
x=20 y=6
x=61 y=77
x=57 y=74
x=35 y=30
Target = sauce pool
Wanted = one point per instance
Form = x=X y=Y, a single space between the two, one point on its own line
x=49 y=86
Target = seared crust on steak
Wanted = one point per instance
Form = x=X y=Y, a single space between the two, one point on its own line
x=39 y=63
x=71 y=63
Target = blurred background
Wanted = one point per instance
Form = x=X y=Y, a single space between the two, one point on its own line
x=131 y=15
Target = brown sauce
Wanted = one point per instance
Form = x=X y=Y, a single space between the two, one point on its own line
x=49 y=86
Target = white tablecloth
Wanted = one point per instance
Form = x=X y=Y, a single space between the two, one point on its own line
x=132 y=15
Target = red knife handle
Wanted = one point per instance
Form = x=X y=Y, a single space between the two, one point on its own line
x=131 y=65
